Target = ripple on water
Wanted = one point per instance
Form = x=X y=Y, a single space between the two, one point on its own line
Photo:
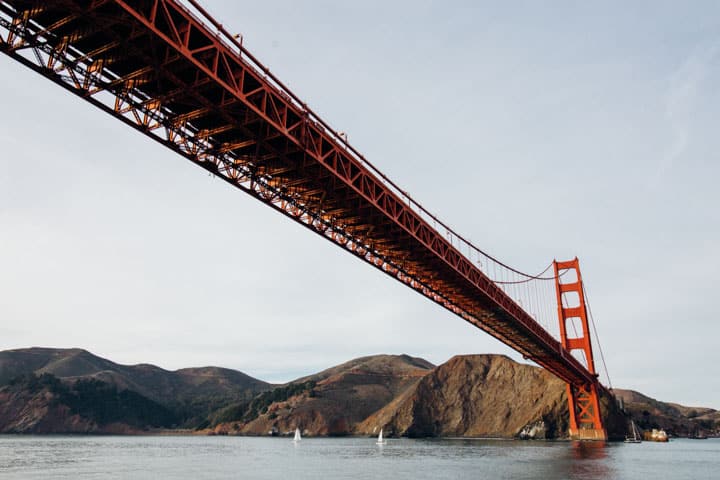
x=91 y=457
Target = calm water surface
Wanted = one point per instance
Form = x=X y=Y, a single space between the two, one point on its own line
x=84 y=457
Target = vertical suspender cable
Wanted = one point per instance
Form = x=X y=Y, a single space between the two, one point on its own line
x=592 y=320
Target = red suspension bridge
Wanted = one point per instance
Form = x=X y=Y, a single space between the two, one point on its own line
x=172 y=72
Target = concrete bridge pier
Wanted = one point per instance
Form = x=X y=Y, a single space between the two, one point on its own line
x=588 y=434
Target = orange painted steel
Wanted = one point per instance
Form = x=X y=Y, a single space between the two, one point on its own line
x=583 y=400
x=159 y=67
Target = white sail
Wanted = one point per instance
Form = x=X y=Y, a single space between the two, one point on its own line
x=635 y=437
x=380 y=440
x=297 y=435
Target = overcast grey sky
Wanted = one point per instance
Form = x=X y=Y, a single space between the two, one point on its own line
x=539 y=130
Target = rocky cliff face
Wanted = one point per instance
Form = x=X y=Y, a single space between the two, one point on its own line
x=477 y=396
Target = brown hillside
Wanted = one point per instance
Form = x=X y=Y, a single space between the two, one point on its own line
x=343 y=397
x=484 y=396
x=476 y=396
x=36 y=412
x=675 y=419
x=472 y=396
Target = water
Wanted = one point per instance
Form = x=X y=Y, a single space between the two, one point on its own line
x=192 y=457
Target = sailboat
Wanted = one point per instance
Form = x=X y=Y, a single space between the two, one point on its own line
x=297 y=437
x=380 y=440
x=635 y=437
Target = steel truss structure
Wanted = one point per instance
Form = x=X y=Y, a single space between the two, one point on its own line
x=158 y=67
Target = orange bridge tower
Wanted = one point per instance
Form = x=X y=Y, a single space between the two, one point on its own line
x=583 y=399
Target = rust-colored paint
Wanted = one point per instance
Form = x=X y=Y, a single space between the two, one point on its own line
x=583 y=400
x=160 y=68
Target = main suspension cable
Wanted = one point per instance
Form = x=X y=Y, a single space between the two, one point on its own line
x=539 y=276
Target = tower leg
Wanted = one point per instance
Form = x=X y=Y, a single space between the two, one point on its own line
x=583 y=400
x=585 y=418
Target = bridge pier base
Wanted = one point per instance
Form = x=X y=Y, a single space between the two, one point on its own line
x=588 y=434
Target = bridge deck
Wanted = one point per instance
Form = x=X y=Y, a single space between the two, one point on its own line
x=158 y=66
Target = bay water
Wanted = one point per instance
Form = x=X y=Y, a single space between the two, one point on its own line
x=219 y=457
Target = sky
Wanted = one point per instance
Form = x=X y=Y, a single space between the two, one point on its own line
x=537 y=130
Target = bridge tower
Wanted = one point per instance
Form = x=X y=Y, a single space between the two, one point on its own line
x=583 y=400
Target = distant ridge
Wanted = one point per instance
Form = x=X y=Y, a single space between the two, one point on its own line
x=46 y=390
x=676 y=419
x=193 y=392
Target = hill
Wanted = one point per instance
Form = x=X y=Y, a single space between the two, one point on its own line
x=192 y=393
x=677 y=420
x=468 y=396
x=45 y=390
x=331 y=402
x=485 y=396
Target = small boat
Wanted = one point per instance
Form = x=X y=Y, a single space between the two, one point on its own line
x=380 y=440
x=635 y=437
x=297 y=437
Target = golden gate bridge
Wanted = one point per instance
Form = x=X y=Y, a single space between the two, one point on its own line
x=171 y=71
